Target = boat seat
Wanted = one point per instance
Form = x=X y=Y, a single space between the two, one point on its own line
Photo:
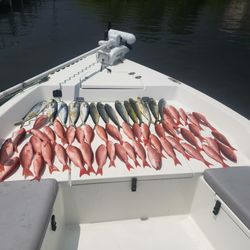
x=232 y=185
x=25 y=211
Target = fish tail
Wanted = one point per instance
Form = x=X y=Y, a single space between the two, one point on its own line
x=1 y=168
x=137 y=164
x=27 y=172
x=129 y=166
x=164 y=156
x=64 y=141
x=202 y=139
x=83 y=171
x=208 y=164
x=36 y=178
x=91 y=170
x=146 y=164
x=53 y=169
x=112 y=163
x=145 y=141
x=176 y=161
x=99 y=171
x=224 y=165
x=121 y=142
x=66 y=167
x=187 y=156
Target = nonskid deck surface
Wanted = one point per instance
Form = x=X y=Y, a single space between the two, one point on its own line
x=176 y=232
x=187 y=168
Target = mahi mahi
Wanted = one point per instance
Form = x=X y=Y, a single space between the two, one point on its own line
x=135 y=105
x=161 y=105
x=74 y=112
x=62 y=112
x=144 y=109
x=131 y=111
x=122 y=111
x=102 y=112
x=154 y=109
x=33 y=112
x=51 y=110
x=112 y=114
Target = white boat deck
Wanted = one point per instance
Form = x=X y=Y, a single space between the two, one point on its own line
x=159 y=233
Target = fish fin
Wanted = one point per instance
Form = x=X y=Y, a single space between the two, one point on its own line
x=21 y=123
x=83 y=171
x=208 y=164
x=187 y=156
x=202 y=139
x=112 y=164
x=53 y=169
x=99 y=171
x=176 y=161
x=27 y=172
x=146 y=164
x=91 y=170
x=64 y=141
x=1 y=168
x=66 y=167
x=129 y=166
x=224 y=165
x=36 y=178
x=137 y=164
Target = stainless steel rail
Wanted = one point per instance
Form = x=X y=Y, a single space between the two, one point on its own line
x=8 y=93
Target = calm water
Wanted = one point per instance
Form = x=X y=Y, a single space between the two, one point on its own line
x=204 y=43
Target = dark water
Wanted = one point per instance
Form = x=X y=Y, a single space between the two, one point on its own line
x=204 y=43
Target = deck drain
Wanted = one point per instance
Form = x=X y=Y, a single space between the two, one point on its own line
x=138 y=77
x=144 y=218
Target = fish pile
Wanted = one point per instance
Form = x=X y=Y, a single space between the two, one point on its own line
x=139 y=130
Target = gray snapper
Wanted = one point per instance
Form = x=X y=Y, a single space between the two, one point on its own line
x=94 y=113
x=161 y=105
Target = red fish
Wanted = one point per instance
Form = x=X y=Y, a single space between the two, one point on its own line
x=175 y=144
x=193 y=120
x=156 y=143
x=62 y=156
x=145 y=133
x=36 y=144
x=10 y=168
x=6 y=151
x=211 y=153
x=122 y=155
x=111 y=153
x=220 y=137
x=211 y=142
x=39 y=167
x=18 y=137
x=203 y=120
x=131 y=152
x=159 y=130
x=40 y=121
x=169 y=150
x=169 y=129
x=167 y=118
x=101 y=157
x=114 y=132
x=195 y=153
x=196 y=131
x=140 y=151
x=174 y=113
x=71 y=134
x=88 y=156
x=137 y=131
x=75 y=156
x=50 y=134
x=79 y=134
x=188 y=136
x=48 y=156
x=40 y=135
x=227 y=152
x=26 y=156
x=154 y=157
x=128 y=131
x=183 y=115
x=89 y=134
x=59 y=130
x=101 y=133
